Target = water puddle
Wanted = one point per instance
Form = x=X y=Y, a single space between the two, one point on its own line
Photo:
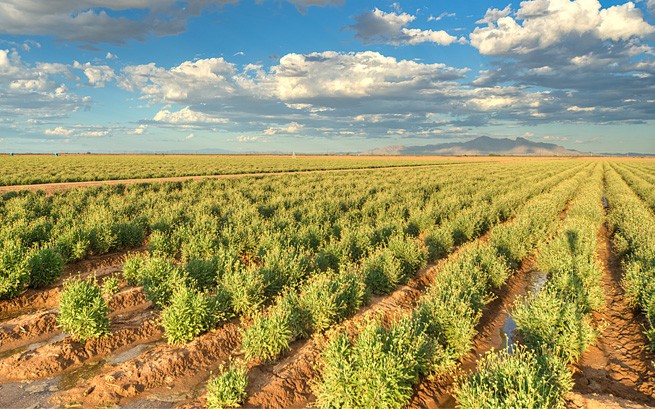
x=36 y=345
x=605 y=203
x=535 y=282
x=132 y=352
x=33 y=394
x=86 y=371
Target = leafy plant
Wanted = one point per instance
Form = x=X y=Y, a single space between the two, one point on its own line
x=191 y=313
x=228 y=388
x=109 y=287
x=14 y=269
x=83 y=311
x=45 y=265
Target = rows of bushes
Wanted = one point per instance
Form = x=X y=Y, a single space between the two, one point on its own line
x=554 y=324
x=633 y=224
x=641 y=183
x=380 y=365
x=31 y=169
x=194 y=220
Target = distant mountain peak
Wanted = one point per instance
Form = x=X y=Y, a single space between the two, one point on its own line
x=483 y=145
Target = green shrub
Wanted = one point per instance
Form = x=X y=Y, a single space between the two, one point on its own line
x=82 y=310
x=14 y=269
x=159 y=278
x=271 y=333
x=132 y=267
x=109 y=287
x=191 y=313
x=377 y=370
x=228 y=389
x=411 y=254
x=329 y=298
x=518 y=380
x=162 y=244
x=204 y=272
x=45 y=267
x=246 y=289
x=382 y=271
x=439 y=242
x=128 y=235
x=550 y=323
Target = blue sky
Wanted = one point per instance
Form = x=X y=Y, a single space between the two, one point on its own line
x=323 y=75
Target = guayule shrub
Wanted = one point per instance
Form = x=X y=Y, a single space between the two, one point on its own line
x=246 y=289
x=377 y=370
x=45 y=265
x=109 y=287
x=329 y=298
x=158 y=276
x=204 y=272
x=14 y=269
x=270 y=334
x=228 y=389
x=82 y=310
x=191 y=313
x=382 y=271
x=521 y=379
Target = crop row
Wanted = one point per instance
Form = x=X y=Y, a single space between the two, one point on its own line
x=40 y=233
x=380 y=365
x=31 y=169
x=639 y=184
x=554 y=323
x=634 y=236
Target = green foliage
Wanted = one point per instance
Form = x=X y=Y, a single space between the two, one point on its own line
x=382 y=271
x=518 y=380
x=109 y=287
x=246 y=289
x=14 y=269
x=228 y=389
x=550 y=323
x=377 y=370
x=271 y=333
x=329 y=298
x=204 y=272
x=83 y=311
x=190 y=313
x=158 y=276
x=45 y=266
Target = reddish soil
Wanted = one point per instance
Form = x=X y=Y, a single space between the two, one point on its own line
x=164 y=366
x=54 y=358
x=32 y=299
x=289 y=383
x=28 y=329
x=621 y=363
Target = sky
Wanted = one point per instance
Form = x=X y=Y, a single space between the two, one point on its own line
x=323 y=75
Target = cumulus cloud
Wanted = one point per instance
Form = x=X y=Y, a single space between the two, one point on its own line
x=391 y=28
x=292 y=128
x=59 y=131
x=186 y=116
x=441 y=16
x=97 y=75
x=353 y=75
x=139 y=130
x=543 y=23
x=35 y=91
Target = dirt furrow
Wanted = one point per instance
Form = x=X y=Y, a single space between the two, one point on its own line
x=54 y=358
x=164 y=366
x=621 y=362
x=41 y=325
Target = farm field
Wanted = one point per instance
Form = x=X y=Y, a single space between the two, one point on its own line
x=39 y=169
x=474 y=283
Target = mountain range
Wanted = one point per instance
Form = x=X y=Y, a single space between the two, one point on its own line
x=482 y=145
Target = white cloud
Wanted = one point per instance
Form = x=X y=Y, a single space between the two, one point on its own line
x=548 y=22
x=189 y=136
x=292 y=128
x=186 y=116
x=95 y=134
x=493 y=15
x=97 y=75
x=139 y=130
x=554 y=138
x=59 y=131
x=441 y=16
x=353 y=75
x=110 y=56
x=379 y=27
x=248 y=139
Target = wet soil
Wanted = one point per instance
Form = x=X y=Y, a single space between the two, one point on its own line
x=621 y=363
